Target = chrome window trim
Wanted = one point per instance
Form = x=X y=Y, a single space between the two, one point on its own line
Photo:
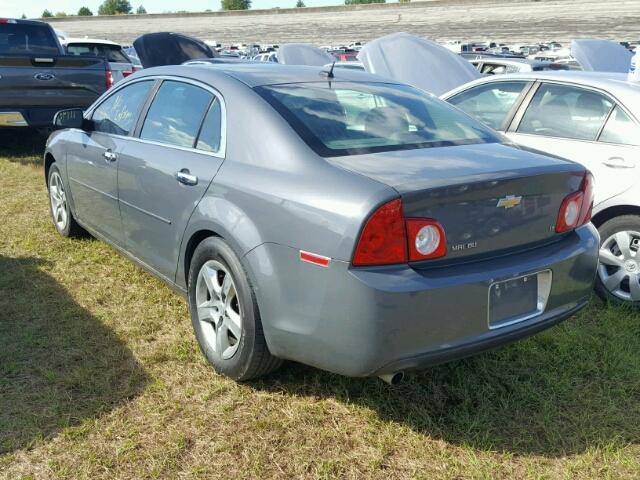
x=222 y=151
x=568 y=83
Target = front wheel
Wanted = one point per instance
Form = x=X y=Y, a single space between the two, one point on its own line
x=225 y=314
x=618 y=278
x=61 y=214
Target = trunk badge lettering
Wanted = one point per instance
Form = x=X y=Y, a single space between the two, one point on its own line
x=44 y=76
x=509 y=201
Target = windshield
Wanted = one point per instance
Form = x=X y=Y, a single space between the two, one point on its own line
x=341 y=118
x=26 y=39
x=113 y=53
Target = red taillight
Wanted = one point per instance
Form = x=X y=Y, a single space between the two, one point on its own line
x=426 y=239
x=576 y=208
x=388 y=238
x=383 y=240
x=108 y=77
x=126 y=73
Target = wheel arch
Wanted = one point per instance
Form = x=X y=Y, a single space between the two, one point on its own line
x=614 y=211
x=49 y=160
x=196 y=239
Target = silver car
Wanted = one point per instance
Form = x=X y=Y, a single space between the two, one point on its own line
x=336 y=219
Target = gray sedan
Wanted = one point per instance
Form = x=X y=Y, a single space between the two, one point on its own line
x=331 y=218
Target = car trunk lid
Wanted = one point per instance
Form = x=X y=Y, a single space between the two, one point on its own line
x=489 y=198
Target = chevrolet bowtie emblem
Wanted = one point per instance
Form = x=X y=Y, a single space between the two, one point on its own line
x=509 y=201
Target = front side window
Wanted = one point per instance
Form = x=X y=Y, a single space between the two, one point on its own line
x=119 y=112
x=490 y=103
x=176 y=114
x=343 y=118
x=620 y=129
x=565 y=111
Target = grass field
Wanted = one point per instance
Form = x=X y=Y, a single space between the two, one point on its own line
x=101 y=378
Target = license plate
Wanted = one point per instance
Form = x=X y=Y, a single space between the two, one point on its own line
x=518 y=299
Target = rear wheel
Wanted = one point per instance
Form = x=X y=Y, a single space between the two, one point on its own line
x=618 y=278
x=60 y=211
x=225 y=315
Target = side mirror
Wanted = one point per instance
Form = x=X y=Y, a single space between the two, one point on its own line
x=70 y=118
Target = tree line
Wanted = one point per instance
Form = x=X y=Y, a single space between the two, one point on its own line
x=123 y=7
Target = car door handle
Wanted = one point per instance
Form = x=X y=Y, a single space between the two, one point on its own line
x=109 y=156
x=618 y=162
x=184 y=176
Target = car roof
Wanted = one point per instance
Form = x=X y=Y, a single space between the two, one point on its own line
x=67 y=41
x=264 y=73
x=510 y=61
x=615 y=84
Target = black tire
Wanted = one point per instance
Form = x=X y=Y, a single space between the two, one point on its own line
x=628 y=223
x=72 y=228
x=252 y=358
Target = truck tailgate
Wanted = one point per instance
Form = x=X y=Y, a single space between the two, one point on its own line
x=27 y=82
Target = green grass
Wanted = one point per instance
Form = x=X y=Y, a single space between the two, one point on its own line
x=100 y=377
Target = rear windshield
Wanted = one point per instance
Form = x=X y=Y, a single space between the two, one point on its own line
x=343 y=118
x=26 y=39
x=113 y=53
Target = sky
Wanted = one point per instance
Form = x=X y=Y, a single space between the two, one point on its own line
x=34 y=8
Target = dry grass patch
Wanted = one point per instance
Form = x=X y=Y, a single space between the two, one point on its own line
x=100 y=377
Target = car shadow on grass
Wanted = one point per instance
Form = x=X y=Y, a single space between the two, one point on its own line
x=22 y=145
x=570 y=389
x=59 y=365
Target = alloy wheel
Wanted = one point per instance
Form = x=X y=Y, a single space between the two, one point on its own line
x=58 y=200
x=219 y=310
x=619 y=268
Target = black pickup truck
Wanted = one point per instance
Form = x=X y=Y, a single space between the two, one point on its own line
x=37 y=79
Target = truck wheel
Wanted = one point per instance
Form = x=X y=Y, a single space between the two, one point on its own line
x=225 y=314
x=618 y=279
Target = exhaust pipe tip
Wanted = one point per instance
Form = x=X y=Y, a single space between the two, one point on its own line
x=393 y=379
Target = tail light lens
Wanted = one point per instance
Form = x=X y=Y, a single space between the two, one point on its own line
x=426 y=239
x=126 y=73
x=383 y=240
x=388 y=238
x=108 y=77
x=576 y=208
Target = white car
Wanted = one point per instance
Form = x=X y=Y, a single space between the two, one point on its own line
x=121 y=65
x=593 y=119
x=266 y=57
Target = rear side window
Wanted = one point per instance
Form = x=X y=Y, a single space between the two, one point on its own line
x=565 y=111
x=490 y=103
x=211 y=132
x=344 y=118
x=176 y=114
x=620 y=129
x=26 y=39
x=112 y=53
x=119 y=112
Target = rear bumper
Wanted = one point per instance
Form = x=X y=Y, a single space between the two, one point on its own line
x=363 y=322
x=484 y=343
x=12 y=119
x=36 y=117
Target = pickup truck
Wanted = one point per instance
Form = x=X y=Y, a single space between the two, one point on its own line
x=37 y=77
